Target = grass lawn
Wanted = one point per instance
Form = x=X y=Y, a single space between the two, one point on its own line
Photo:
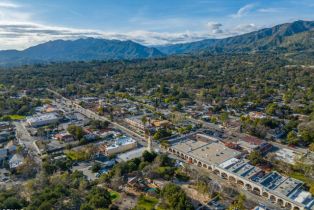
x=114 y=195
x=146 y=202
x=17 y=117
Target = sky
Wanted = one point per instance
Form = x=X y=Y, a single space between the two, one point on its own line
x=24 y=23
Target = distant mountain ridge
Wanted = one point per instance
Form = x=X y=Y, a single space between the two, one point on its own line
x=86 y=49
x=276 y=38
x=297 y=37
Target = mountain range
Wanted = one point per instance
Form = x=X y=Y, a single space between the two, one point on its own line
x=289 y=37
x=298 y=35
x=86 y=49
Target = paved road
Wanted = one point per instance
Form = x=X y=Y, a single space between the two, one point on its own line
x=27 y=140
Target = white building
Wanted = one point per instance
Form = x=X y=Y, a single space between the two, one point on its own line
x=121 y=145
x=44 y=119
x=16 y=160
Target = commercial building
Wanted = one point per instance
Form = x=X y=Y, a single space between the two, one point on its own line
x=135 y=122
x=44 y=119
x=135 y=153
x=121 y=145
x=228 y=164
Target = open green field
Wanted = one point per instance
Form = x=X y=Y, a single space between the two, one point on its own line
x=17 y=117
x=114 y=195
x=146 y=202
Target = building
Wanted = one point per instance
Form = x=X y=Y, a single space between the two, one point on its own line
x=161 y=123
x=64 y=137
x=257 y=115
x=228 y=164
x=5 y=125
x=121 y=145
x=251 y=143
x=135 y=122
x=16 y=161
x=209 y=153
x=135 y=153
x=3 y=154
x=42 y=120
x=6 y=135
x=287 y=155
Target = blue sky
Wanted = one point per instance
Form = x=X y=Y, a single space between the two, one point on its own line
x=24 y=23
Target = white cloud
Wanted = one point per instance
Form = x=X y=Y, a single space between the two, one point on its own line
x=245 y=28
x=214 y=27
x=243 y=11
x=268 y=10
x=8 y=5
x=18 y=30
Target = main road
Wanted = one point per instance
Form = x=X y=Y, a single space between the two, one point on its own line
x=27 y=140
x=92 y=115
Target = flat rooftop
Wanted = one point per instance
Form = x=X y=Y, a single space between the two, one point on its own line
x=272 y=180
x=136 y=153
x=121 y=141
x=43 y=117
x=237 y=166
x=211 y=153
x=288 y=186
x=247 y=170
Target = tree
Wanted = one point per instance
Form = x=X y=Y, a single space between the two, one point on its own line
x=11 y=203
x=292 y=138
x=256 y=158
x=224 y=117
x=238 y=204
x=76 y=131
x=144 y=120
x=271 y=108
x=312 y=189
x=175 y=198
x=306 y=131
x=148 y=156
x=96 y=167
x=99 y=198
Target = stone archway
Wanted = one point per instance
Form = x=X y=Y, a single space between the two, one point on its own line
x=224 y=175
x=280 y=202
x=296 y=208
x=204 y=165
x=272 y=198
x=256 y=191
x=210 y=168
x=199 y=164
x=217 y=172
x=265 y=194
x=239 y=182
x=288 y=205
x=248 y=187
x=232 y=179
